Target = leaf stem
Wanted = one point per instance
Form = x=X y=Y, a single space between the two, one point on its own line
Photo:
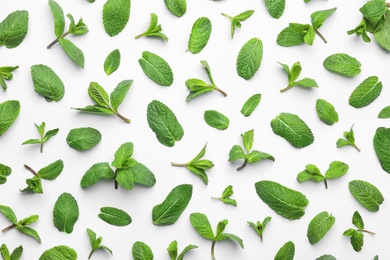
x=41 y=147
x=326 y=184
x=364 y=230
x=321 y=36
x=215 y=198
x=31 y=170
x=56 y=40
x=8 y=228
x=243 y=166
x=286 y=88
x=220 y=91
x=179 y=164
x=90 y=255
x=212 y=251
x=115 y=182
x=139 y=36
x=122 y=117
x=357 y=148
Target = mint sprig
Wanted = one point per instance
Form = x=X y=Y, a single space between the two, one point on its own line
x=293 y=75
x=44 y=137
x=357 y=235
x=226 y=194
x=349 y=139
x=259 y=227
x=154 y=29
x=96 y=243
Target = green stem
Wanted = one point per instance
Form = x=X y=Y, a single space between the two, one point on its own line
x=321 y=36
x=56 y=40
x=41 y=147
x=243 y=166
x=8 y=228
x=212 y=251
x=369 y=232
x=90 y=255
x=261 y=238
x=31 y=170
x=115 y=182
x=179 y=164
x=326 y=184
x=286 y=88
x=139 y=36
x=122 y=117
x=357 y=148
x=220 y=91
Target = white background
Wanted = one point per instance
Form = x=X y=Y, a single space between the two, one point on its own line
x=221 y=53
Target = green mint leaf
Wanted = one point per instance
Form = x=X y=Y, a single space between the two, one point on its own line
x=51 y=171
x=366 y=92
x=172 y=250
x=185 y=250
x=319 y=226
x=360 y=30
x=382 y=147
x=17 y=253
x=123 y=156
x=236 y=153
x=6 y=74
x=156 y=68
x=13 y=29
x=116 y=14
x=30 y=232
x=112 y=62
x=367 y=194
x=96 y=173
x=336 y=170
x=169 y=211
x=309 y=36
x=256 y=156
x=342 y=64
x=98 y=94
x=59 y=18
x=326 y=112
x=293 y=74
x=74 y=52
x=236 y=20
x=96 y=109
x=249 y=58
x=43 y=137
x=226 y=194
x=382 y=32
x=293 y=129
x=201 y=224
x=247 y=139
x=83 y=138
x=349 y=140
x=154 y=30
x=284 y=201
x=65 y=213
x=286 y=252
x=319 y=17
x=221 y=227
x=260 y=227
x=124 y=178
x=119 y=93
x=77 y=29
x=164 y=123
x=4 y=172
x=357 y=241
x=142 y=175
x=34 y=185
x=275 y=7
x=306 y=83
x=357 y=220
x=208 y=70
x=114 y=216
x=59 y=252
x=200 y=35
x=49 y=134
x=326 y=257
x=250 y=105
x=95 y=243
x=233 y=237
x=5 y=252
x=176 y=7
x=374 y=10
x=141 y=251
x=292 y=35
x=216 y=119
x=384 y=113
x=9 y=112
x=9 y=214
x=310 y=173
x=349 y=232
x=47 y=83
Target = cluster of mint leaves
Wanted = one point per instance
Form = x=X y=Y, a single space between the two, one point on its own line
x=284 y=201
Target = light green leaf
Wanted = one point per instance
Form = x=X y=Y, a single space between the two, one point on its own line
x=51 y=171
x=154 y=30
x=319 y=226
x=17 y=253
x=169 y=211
x=122 y=156
x=83 y=138
x=236 y=20
x=96 y=109
x=275 y=7
x=236 y=153
x=216 y=119
x=98 y=94
x=202 y=225
x=233 y=237
x=382 y=147
x=250 y=105
x=8 y=213
x=342 y=64
x=306 y=83
x=13 y=29
x=326 y=257
x=256 y=156
x=77 y=29
x=374 y=10
x=125 y=179
x=382 y=33
x=30 y=232
x=293 y=129
x=49 y=134
x=176 y=7
x=185 y=250
x=142 y=175
x=199 y=172
x=292 y=35
x=286 y=202
x=172 y=250
x=9 y=112
x=4 y=172
x=59 y=18
x=200 y=35
x=74 y=52
x=116 y=14
x=367 y=194
x=164 y=123
x=59 y=252
x=97 y=172
x=141 y=251
x=286 y=252
x=119 y=93
x=156 y=68
x=384 y=113
x=319 y=17
x=309 y=36
x=34 y=185
x=366 y=92
x=6 y=74
x=65 y=213
x=114 y=216
x=248 y=138
x=336 y=169
x=249 y=58
x=47 y=83
x=112 y=62
x=326 y=112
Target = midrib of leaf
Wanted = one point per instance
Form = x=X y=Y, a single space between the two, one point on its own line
x=112 y=216
x=164 y=213
x=158 y=71
x=371 y=89
x=284 y=202
x=288 y=127
x=8 y=33
x=169 y=130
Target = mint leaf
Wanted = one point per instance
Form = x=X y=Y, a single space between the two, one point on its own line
x=156 y=68
x=216 y=119
x=97 y=172
x=275 y=7
x=356 y=235
x=349 y=139
x=116 y=14
x=326 y=257
x=75 y=53
x=319 y=17
x=5 y=171
x=319 y=226
x=293 y=74
x=366 y=92
x=6 y=74
x=326 y=112
x=169 y=211
x=286 y=252
x=13 y=29
x=141 y=251
x=9 y=214
x=114 y=216
x=112 y=62
x=367 y=194
x=250 y=105
x=65 y=213
x=44 y=137
x=226 y=194
x=9 y=112
x=95 y=243
x=342 y=64
x=173 y=251
x=59 y=252
x=200 y=35
x=83 y=138
x=382 y=145
x=236 y=20
x=259 y=227
x=357 y=220
x=293 y=129
x=47 y=83
x=361 y=30
x=284 y=201
x=381 y=33
x=164 y=123
x=77 y=29
x=59 y=18
x=384 y=113
x=293 y=35
x=176 y=7
x=154 y=29
x=16 y=254
x=336 y=169
x=249 y=58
